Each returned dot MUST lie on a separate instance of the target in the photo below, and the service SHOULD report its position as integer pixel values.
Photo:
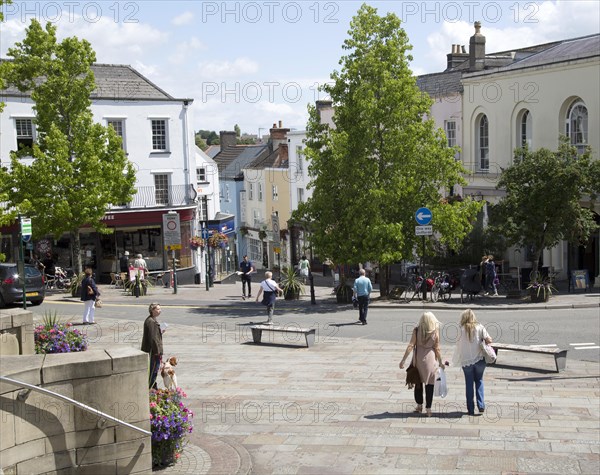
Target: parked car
(11, 285)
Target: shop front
(138, 232)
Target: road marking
(587, 347)
(581, 344)
(542, 346)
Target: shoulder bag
(488, 352)
(412, 373)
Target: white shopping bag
(440, 388)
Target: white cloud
(227, 69)
(185, 50)
(184, 19)
(533, 24)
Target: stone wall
(41, 434)
(16, 332)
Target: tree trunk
(76, 249)
(535, 261)
(384, 280)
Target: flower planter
(344, 294)
(536, 297)
(292, 294)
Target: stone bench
(560, 356)
(309, 333)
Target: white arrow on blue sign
(423, 216)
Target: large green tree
(78, 167)
(544, 192)
(383, 159)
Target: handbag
(412, 372)
(440, 387)
(488, 352)
(98, 303)
(412, 376)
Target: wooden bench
(560, 356)
(309, 333)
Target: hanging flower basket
(217, 240)
(170, 422)
(197, 242)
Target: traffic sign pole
(423, 217)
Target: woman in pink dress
(425, 342)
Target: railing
(104, 417)
(150, 196)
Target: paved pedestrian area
(341, 406)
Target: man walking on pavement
(246, 269)
(362, 291)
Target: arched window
(525, 130)
(577, 125)
(483, 143)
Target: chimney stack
(278, 135)
(227, 139)
(477, 50)
(456, 57)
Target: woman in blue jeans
(469, 355)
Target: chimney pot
(280, 124)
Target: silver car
(11, 285)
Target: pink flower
(152, 404)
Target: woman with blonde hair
(425, 342)
(469, 355)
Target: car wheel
(37, 302)
(2, 303)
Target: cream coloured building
(526, 96)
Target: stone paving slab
(280, 408)
(341, 407)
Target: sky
(255, 63)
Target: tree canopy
(76, 168)
(544, 192)
(383, 159)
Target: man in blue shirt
(362, 290)
(246, 268)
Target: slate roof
(449, 81)
(231, 160)
(440, 84)
(267, 161)
(119, 82)
(576, 48)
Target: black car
(11, 285)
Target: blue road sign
(423, 216)
(204, 233)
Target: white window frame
(28, 122)
(260, 192)
(524, 129)
(274, 193)
(577, 125)
(254, 250)
(160, 138)
(120, 129)
(450, 129)
(256, 218)
(161, 190)
(250, 191)
(201, 175)
(483, 143)
(300, 160)
(300, 195)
